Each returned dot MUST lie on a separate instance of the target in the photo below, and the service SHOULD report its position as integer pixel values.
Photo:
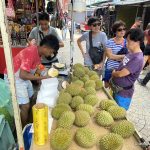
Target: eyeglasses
(121, 29)
(96, 24)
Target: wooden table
(129, 144)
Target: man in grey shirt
(37, 34)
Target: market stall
(21, 19)
(129, 144)
(132, 142)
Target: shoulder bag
(96, 54)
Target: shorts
(107, 75)
(122, 101)
(24, 90)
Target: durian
(79, 82)
(87, 108)
(117, 112)
(62, 91)
(103, 118)
(99, 84)
(94, 77)
(52, 72)
(78, 65)
(83, 93)
(61, 139)
(74, 78)
(105, 104)
(76, 101)
(66, 120)
(90, 83)
(73, 89)
(59, 109)
(82, 118)
(90, 90)
(91, 73)
(79, 72)
(87, 70)
(85, 78)
(91, 100)
(123, 128)
(111, 141)
(85, 137)
(64, 98)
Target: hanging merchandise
(10, 12)
(40, 123)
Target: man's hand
(113, 72)
(98, 66)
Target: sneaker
(140, 81)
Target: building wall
(128, 14)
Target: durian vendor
(123, 78)
(25, 66)
(37, 34)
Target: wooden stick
(9, 63)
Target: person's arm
(80, 46)
(32, 37)
(54, 32)
(112, 56)
(104, 48)
(145, 60)
(28, 76)
(122, 73)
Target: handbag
(123, 50)
(95, 53)
(116, 88)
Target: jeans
(146, 79)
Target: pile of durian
(77, 106)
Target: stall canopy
(129, 2)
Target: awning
(130, 2)
(119, 2)
(100, 2)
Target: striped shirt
(112, 64)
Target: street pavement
(139, 112)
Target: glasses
(96, 24)
(121, 29)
